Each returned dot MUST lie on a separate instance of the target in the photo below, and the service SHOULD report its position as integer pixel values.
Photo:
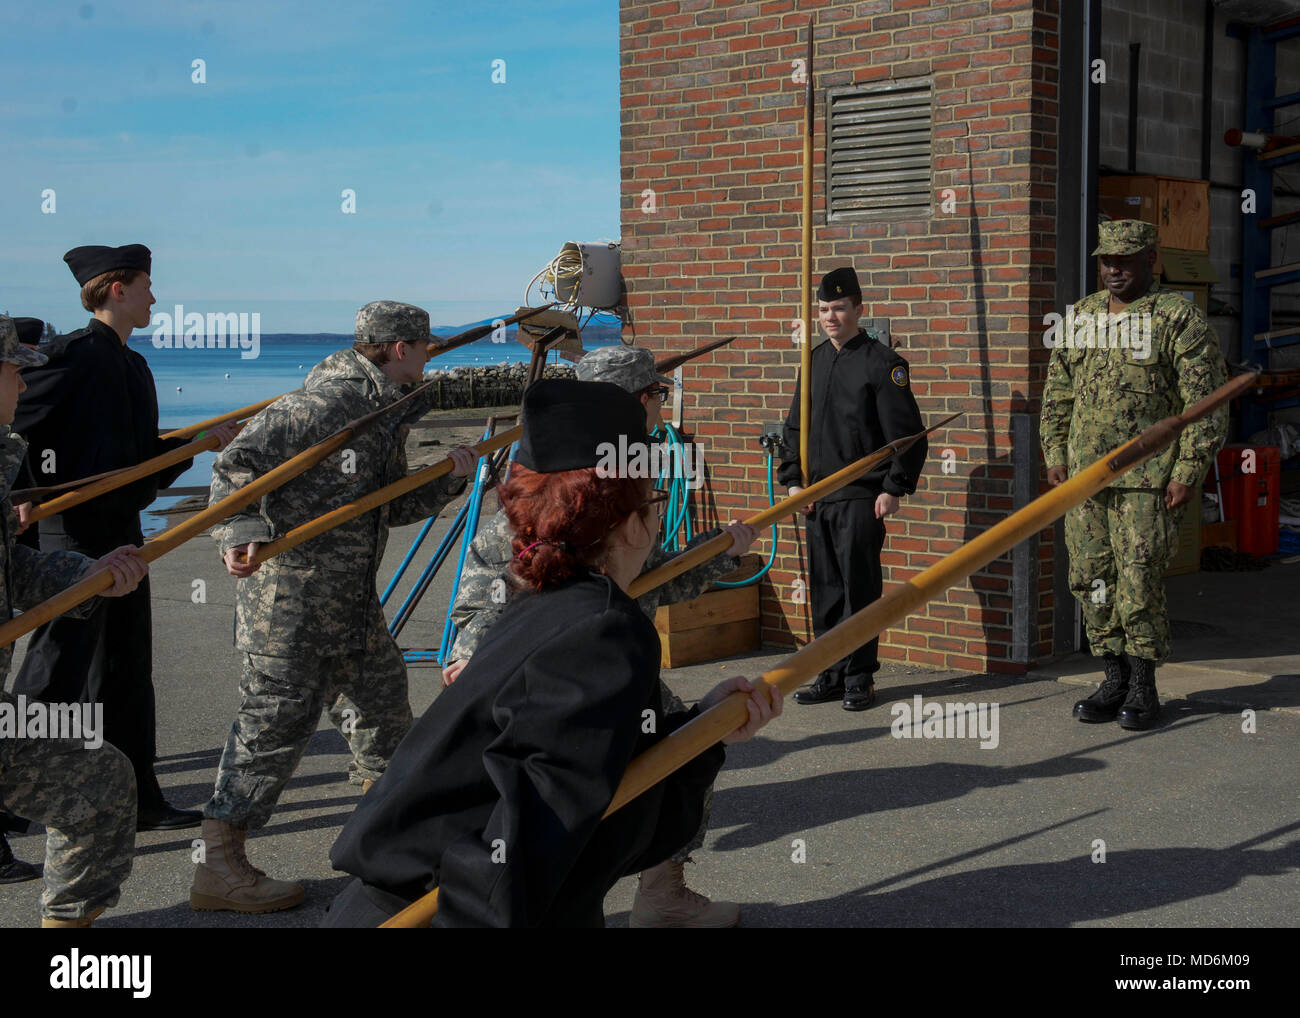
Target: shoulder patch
(899, 376)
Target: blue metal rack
(1258, 276)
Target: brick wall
(711, 122)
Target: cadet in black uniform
(496, 795)
(91, 409)
(861, 399)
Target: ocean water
(194, 385)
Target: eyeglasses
(659, 499)
(652, 391)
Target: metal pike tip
(677, 360)
(901, 445)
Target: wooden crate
(1188, 273)
(716, 624)
(1180, 208)
(1219, 535)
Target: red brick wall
(711, 122)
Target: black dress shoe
(14, 871)
(166, 818)
(824, 690)
(859, 699)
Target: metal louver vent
(878, 149)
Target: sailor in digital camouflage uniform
(1126, 357)
(662, 897)
(85, 797)
(308, 621)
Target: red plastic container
(1251, 498)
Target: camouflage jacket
(1097, 397)
(30, 576)
(485, 588)
(318, 599)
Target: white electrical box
(600, 285)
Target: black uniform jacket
(496, 794)
(861, 399)
(94, 404)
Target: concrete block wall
(711, 124)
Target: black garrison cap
(94, 260)
(839, 283)
(567, 422)
(30, 330)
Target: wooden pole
(376, 498)
(95, 486)
(479, 331)
(177, 535)
(450, 343)
(234, 415)
(701, 553)
(704, 731)
(805, 305)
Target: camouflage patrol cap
(13, 351)
(390, 321)
(1124, 237)
(629, 367)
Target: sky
(464, 187)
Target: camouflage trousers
(281, 704)
(86, 800)
(673, 704)
(1120, 542)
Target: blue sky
(464, 188)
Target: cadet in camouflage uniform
(1151, 354)
(84, 797)
(662, 897)
(308, 621)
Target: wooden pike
(378, 497)
(85, 490)
(707, 729)
(177, 535)
(89, 487)
(420, 478)
(701, 553)
(805, 305)
(677, 360)
(234, 415)
(479, 331)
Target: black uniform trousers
(844, 542)
(106, 658)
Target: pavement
(832, 818)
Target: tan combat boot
(664, 901)
(50, 923)
(367, 785)
(227, 881)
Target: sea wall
(484, 385)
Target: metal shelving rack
(1258, 276)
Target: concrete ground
(832, 819)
